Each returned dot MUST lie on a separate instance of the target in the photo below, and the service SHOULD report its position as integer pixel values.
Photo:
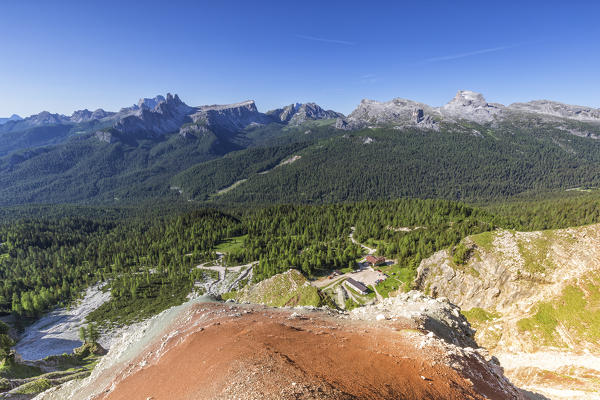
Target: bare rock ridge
(166, 116)
(560, 110)
(87, 115)
(160, 115)
(298, 113)
(231, 117)
(471, 106)
(466, 105)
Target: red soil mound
(251, 352)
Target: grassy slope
(288, 289)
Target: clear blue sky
(65, 55)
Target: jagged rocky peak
(46, 118)
(298, 113)
(167, 115)
(150, 103)
(284, 114)
(397, 112)
(556, 109)
(87, 115)
(472, 106)
(81, 115)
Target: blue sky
(65, 55)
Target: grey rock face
(341, 123)
(230, 117)
(150, 104)
(46, 118)
(465, 106)
(435, 315)
(167, 116)
(193, 131)
(296, 114)
(555, 109)
(81, 116)
(397, 112)
(105, 137)
(472, 106)
(87, 115)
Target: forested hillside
(385, 164)
(466, 161)
(149, 257)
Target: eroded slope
(534, 298)
(226, 351)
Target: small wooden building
(356, 285)
(375, 260)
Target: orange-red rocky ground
(227, 351)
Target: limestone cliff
(534, 298)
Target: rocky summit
(465, 106)
(298, 113)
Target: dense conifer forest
(147, 257)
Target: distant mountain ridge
(161, 147)
(465, 106)
(161, 114)
(13, 117)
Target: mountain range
(164, 148)
(13, 117)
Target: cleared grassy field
(231, 244)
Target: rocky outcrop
(150, 103)
(466, 106)
(434, 315)
(560, 110)
(296, 114)
(529, 295)
(193, 131)
(105, 136)
(290, 288)
(397, 113)
(230, 117)
(472, 106)
(87, 115)
(167, 116)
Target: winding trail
(368, 249)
